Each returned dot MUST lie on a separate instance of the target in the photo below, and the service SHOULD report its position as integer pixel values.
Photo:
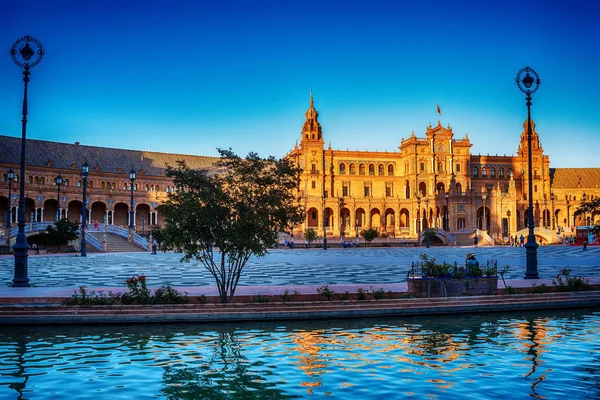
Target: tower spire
(311, 129)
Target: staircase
(463, 239)
(116, 243)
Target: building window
(457, 167)
(314, 184)
(314, 215)
(422, 167)
(124, 185)
(79, 183)
(342, 169)
(381, 169)
(475, 172)
(501, 173)
(389, 189)
(371, 169)
(509, 172)
(102, 185)
(484, 172)
(440, 166)
(30, 179)
(390, 169)
(535, 188)
(492, 172)
(352, 169)
(367, 191)
(313, 168)
(345, 191)
(361, 169)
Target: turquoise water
(539, 355)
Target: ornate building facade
(432, 181)
(435, 182)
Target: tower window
(314, 184)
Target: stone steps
(116, 243)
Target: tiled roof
(43, 153)
(575, 177)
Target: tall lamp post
(85, 170)
(427, 219)
(418, 220)
(131, 212)
(447, 197)
(484, 221)
(26, 57)
(553, 214)
(529, 84)
(59, 182)
(340, 216)
(10, 176)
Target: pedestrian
(292, 244)
(306, 243)
(584, 245)
(96, 224)
(154, 245)
(475, 240)
(471, 262)
(522, 240)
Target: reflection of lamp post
(85, 169)
(447, 196)
(132, 178)
(59, 182)
(526, 85)
(418, 220)
(24, 58)
(483, 198)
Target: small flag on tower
(438, 109)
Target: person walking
(475, 240)
(154, 245)
(306, 243)
(585, 245)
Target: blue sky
(190, 76)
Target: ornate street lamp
(484, 221)
(340, 216)
(427, 219)
(131, 212)
(447, 196)
(10, 176)
(529, 84)
(552, 197)
(85, 170)
(59, 182)
(26, 57)
(418, 220)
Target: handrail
(94, 242)
(487, 237)
(141, 241)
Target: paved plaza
(289, 268)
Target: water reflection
(537, 354)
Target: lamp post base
(531, 271)
(21, 278)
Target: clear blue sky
(190, 76)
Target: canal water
(496, 356)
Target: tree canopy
(240, 208)
(61, 233)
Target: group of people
(347, 243)
(289, 243)
(517, 241)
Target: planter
(453, 287)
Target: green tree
(239, 207)
(310, 234)
(61, 233)
(369, 234)
(157, 233)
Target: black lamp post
(553, 214)
(427, 219)
(85, 170)
(484, 222)
(59, 182)
(418, 220)
(340, 216)
(447, 196)
(529, 84)
(26, 58)
(10, 176)
(131, 212)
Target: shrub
(287, 296)
(325, 292)
(169, 295)
(510, 290)
(85, 298)
(564, 282)
(344, 296)
(360, 294)
(543, 288)
(201, 299)
(138, 291)
(261, 299)
(379, 294)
